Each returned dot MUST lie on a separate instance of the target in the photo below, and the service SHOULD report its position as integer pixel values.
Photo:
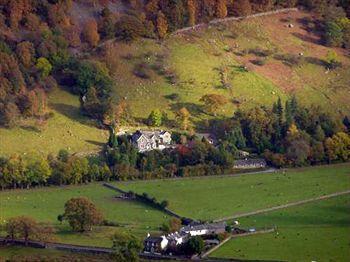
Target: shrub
(259, 62)
(290, 59)
(173, 96)
(143, 71)
(108, 223)
(260, 52)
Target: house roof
(212, 226)
(154, 239)
(250, 161)
(148, 134)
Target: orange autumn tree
(221, 8)
(25, 53)
(191, 6)
(162, 24)
(91, 34)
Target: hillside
(222, 59)
(197, 60)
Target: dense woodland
(41, 46)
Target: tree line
(291, 135)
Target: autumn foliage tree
(27, 228)
(82, 214)
(221, 8)
(191, 7)
(242, 7)
(91, 33)
(183, 119)
(25, 52)
(212, 102)
(162, 24)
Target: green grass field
(67, 129)
(212, 198)
(317, 231)
(46, 203)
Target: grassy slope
(314, 232)
(213, 198)
(67, 129)
(195, 58)
(46, 204)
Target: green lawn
(66, 129)
(212, 198)
(318, 231)
(45, 204)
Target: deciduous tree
(162, 24)
(213, 102)
(183, 119)
(126, 247)
(221, 8)
(91, 33)
(191, 7)
(82, 214)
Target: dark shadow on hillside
(30, 129)
(194, 109)
(96, 143)
(311, 25)
(315, 61)
(310, 39)
(73, 113)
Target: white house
(151, 140)
(155, 245)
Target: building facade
(151, 140)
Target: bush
(290, 59)
(173, 96)
(260, 52)
(143, 71)
(333, 34)
(109, 223)
(259, 62)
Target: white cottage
(151, 140)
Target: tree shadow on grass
(307, 38)
(96, 143)
(194, 109)
(73, 113)
(316, 61)
(30, 129)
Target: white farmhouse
(151, 140)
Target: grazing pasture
(209, 198)
(317, 231)
(46, 204)
(66, 129)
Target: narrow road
(301, 202)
